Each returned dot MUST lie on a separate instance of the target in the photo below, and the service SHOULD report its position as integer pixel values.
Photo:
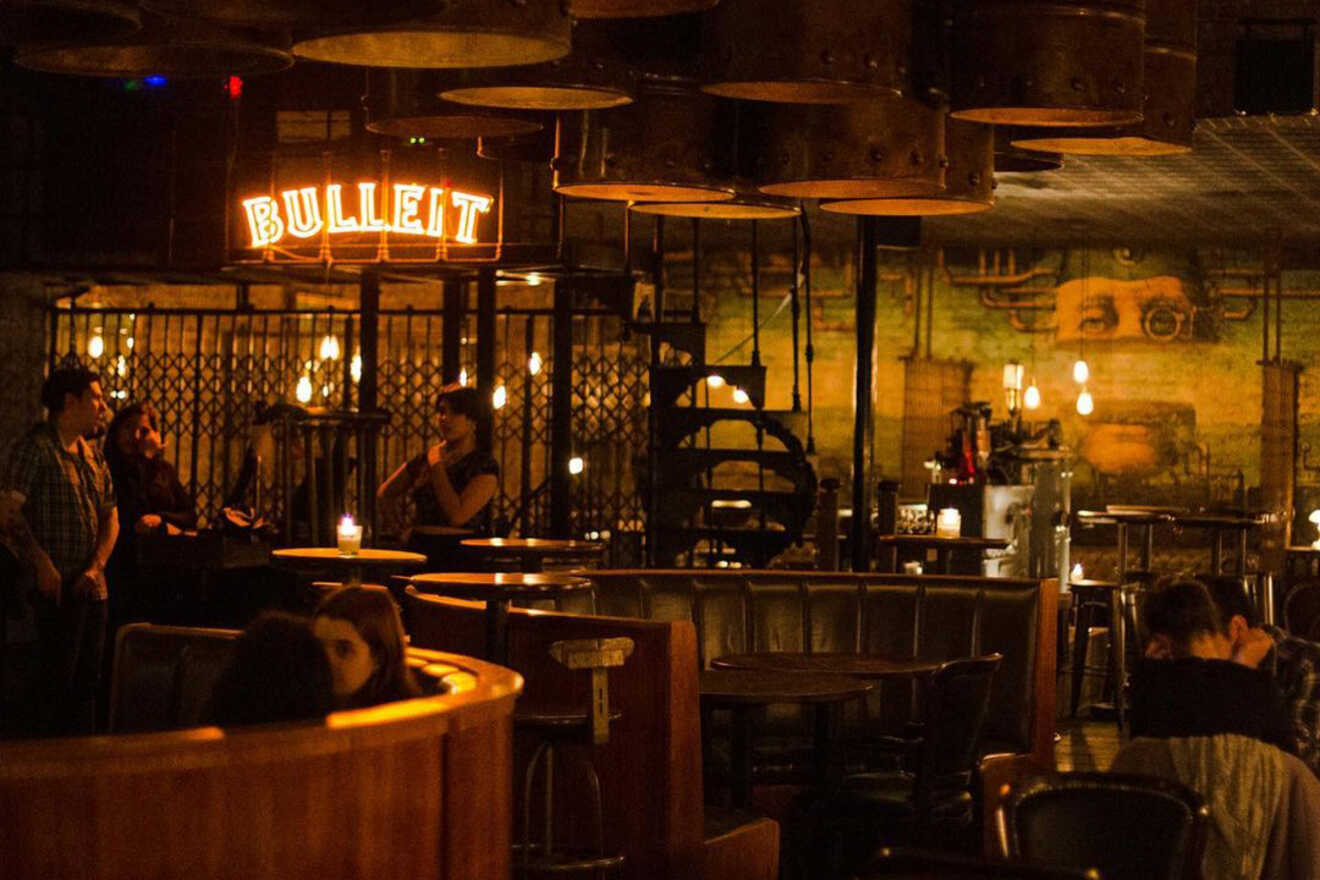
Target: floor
(1086, 745)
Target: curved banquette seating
(419, 788)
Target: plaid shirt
(1296, 666)
(64, 495)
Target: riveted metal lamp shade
(267, 13)
(1170, 94)
(458, 33)
(655, 150)
(808, 51)
(1011, 159)
(1072, 63)
(969, 180)
(636, 8)
(68, 21)
(594, 76)
(741, 207)
(535, 147)
(403, 103)
(877, 149)
(174, 48)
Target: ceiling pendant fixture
(456, 33)
(71, 21)
(808, 51)
(269, 13)
(1011, 159)
(403, 104)
(636, 8)
(594, 76)
(655, 150)
(874, 149)
(1170, 94)
(174, 48)
(969, 180)
(1048, 62)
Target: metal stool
(1104, 599)
(564, 727)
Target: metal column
(863, 421)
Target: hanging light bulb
(355, 368)
(1081, 372)
(96, 345)
(740, 396)
(534, 363)
(304, 390)
(462, 376)
(575, 465)
(714, 380)
(129, 342)
(1031, 397)
(500, 397)
(329, 348)
(121, 366)
(1085, 405)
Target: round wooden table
(870, 667)
(531, 553)
(349, 569)
(497, 590)
(743, 692)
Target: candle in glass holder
(350, 536)
(949, 523)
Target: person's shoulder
(36, 439)
(486, 464)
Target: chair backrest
(163, 675)
(901, 864)
(1127, 827)
(1301, 610)
(955, 702)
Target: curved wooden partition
(416, 789)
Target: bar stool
(556, 728)
(1094, 600)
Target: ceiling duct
(655, 150)
(178, 48)
(808, 51)
(1048, 62)
(596, 75)
(403, 104)
(71, 21)
(969, 180)
(877, 149)
(636, 8)
(1170, 90)
(450, 33)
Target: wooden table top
(868, 666)
(762, 687)
(442, 531)
(1126, 516)
(1088, 582)
(937, 541)
(494, 586)
(365, 556)
(535, 546)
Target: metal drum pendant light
(636, 8)
(877, 149)
(73, 21)
(969, 180)
(447, 33)
(1011, 159)
(808, 51)
(655, 150)
(1170, 93)
(267, 13)
(403, 103)
(164, 47)
(596, 75)
(1048, 62)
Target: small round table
(742, 692)
(531, 553)
(347, 568)
(497, 590)
(943, 547)
(870, 667)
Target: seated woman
(452, 483)
(359, 629)
(278, 672)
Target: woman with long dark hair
(359, 629)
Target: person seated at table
(360, 630)
(452, 483)
(278, 672)
(1189, 683)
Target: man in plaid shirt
(57, 510)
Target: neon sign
(400, 209)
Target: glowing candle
(949, 523)
(350, 536)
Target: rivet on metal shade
(742, 207)
(71, 21)
(877, 149)
(403, 103)
(1069, 63)
(459, 33)
(596, 75)
(1170, 90)
(178, 48)
(656, 150)
(969, 180)
(636, 8)
(808, 51)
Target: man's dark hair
(1230, 598)
(66, 380)
(278, 672)
(1180, 609)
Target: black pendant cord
(810, 351)
(756, 296)
(797, 316)
(696, 271)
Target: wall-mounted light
(714, 380)
(462, 376)
(303, 391)
(1031, 397)
(576, 465)
(1085, 405)
(740, 396)
(329, 348)
(534, 363)
(533, 279)
(355, 368)
(1315, 520)
(96, 345)
(1013, 386)
(499, 397)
